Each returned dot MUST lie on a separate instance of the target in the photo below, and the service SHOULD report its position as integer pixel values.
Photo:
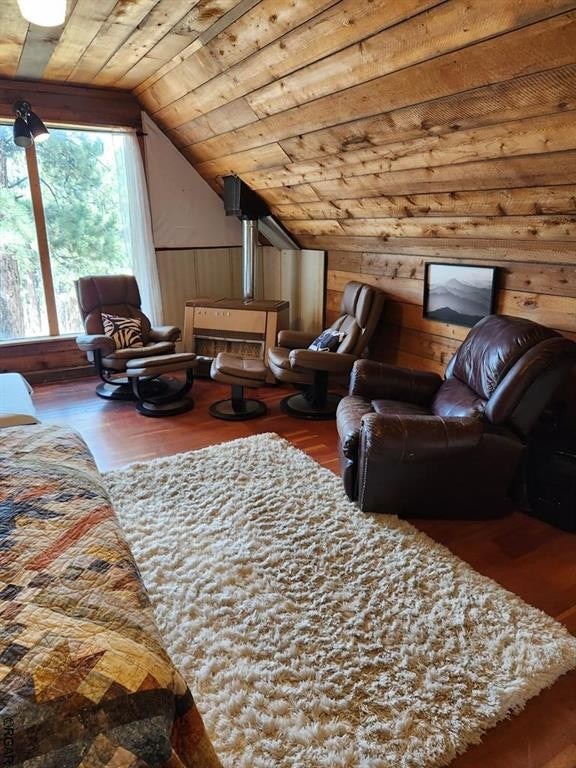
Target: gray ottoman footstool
(239, 372)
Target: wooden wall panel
(544, 169)
(443, 248)
(187, 273)
(556, 228)
(45, 359)
(388, 134)
(520, 201)
(72, 105)
(550, 44)
(553, 133)
(451, 27)
(304, 45)
(14, 30)
(543, 292)
(525, 96)
(294, 276)
(236, 74)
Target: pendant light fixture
(28, 128)
(44, 13)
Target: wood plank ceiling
(411, 128)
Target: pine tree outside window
(81, 184)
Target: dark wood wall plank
(72, 105)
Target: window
(82, 182)
(22, 302)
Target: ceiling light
(37, 128)
(28, 127)
(22, 135)
(44, 13)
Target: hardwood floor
(118, 435)
(525, 555)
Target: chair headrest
(361, 308)
(107, 290)
(492, 347)
(364, 305)
(350, 296)
(357, 301)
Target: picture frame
(459, 294)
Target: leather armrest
(349, 415)
(96, 341)
(417, 438)
(164, 333)
(295, 339)
(380, 381)
(331, 362)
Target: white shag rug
(312, 635)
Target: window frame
(39, 219)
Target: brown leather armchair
(416, 445)
(119, 295)
(291, 361)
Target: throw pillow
(124, 331)
(328, 341)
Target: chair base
(121, 389)
(169, 401)
(237, 410)
(301, 408)
(230, 369)
(158, 410)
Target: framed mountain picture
(459, 294)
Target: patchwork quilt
(84, 678)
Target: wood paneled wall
(297, 277)
(541, 291)
(391, 134)
(45, 359)
(386, 133)
(187, 273)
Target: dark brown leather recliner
(118, 295)
(292, 362)
(416, 445)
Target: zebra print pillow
(124, 331)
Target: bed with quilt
(84, 677)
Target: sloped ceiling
(360, 121)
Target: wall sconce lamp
(28, 128)
(44, 13)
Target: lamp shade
(37, 128)
(44, 13)
(22, 134)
